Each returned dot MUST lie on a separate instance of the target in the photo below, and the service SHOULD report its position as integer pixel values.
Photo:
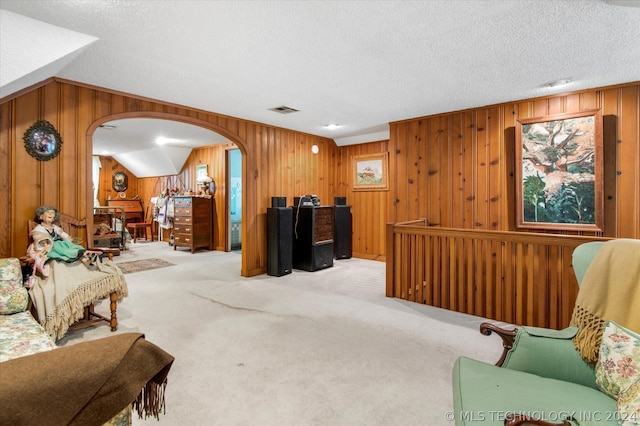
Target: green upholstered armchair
(546, 352)
(540, 379)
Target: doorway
(234, 201)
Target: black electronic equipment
(278, 201)
(306, 200)
(279, 241)
(339, 201)
(312, 237)
(342, 231)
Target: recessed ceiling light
(559, 82)
(332, 126)
(105, 152)
(161, 140)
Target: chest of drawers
(192, 223)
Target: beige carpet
(308, 348)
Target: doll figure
(66, 278)
(62, 247)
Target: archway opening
(130, 137)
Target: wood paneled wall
(457, 169)
(368, 209)
(290, 170)
(276, 162)
(109, 166)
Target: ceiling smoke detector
(283, 109)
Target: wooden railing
(514, 277)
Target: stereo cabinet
(312, 237)
(193, 223)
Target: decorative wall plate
(42, 141)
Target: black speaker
(279, 241)
(278, 201)
(322, 256)
(342, 231)
(340, 201)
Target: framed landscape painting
(370, 172)
(559, 172)
(201, 171)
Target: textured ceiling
(360, 64)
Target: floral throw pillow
(13, 296)
(629, 405)
(618, 365)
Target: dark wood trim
(507, 336)
(522, 420)
(26, 90)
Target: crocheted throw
(610, 291)
(60, 297)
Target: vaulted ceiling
(357, 64)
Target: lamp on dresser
(204, 182)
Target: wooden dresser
(192, 223)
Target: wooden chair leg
(88, 310)
(113, 299)
(91, 316)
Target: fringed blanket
(85, 384)
(61, 297)
(610, 291)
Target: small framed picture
(201, 171)
(42, 141)
(370, 172)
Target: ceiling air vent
(283, 109)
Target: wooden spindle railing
(515, 277)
